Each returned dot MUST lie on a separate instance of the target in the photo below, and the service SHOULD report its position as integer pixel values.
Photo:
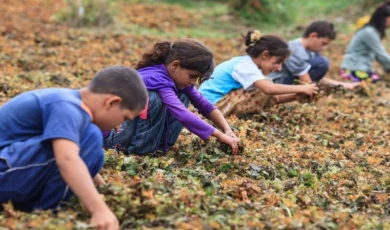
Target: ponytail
(157, 55)
(257, 44)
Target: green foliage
(308, 179)
(87, 13)
(371, 3)
(281, 12)
(265, 11)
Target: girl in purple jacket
(170, 71)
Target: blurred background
(215, 18)
(46, 43)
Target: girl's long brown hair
(192, 55)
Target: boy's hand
(104, 220)
(310, 89)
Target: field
(319, 165)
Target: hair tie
(255, 36)
(170, 47)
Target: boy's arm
(305, 78)
(76, 175)
(346, 85)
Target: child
(170, 71)
(51, 145)
(305, 62)
(366, 46)
(238, 85)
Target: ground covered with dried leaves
(318, 165)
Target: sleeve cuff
(207, 135)
(304, 71)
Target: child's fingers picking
(234, 147)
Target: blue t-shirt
(34, 118)
(238, 72)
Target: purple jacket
(156, 78)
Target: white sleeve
(247, 73)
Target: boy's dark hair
(192, 55)
(323, 28)
(378, 18)
(275, 45)
(123, 82)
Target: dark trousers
(30, 178)
(141, 136)
(319, 67)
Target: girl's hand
(232, 134)
(231, 141)
(310, 89)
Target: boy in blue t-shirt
(305, 62)
(51, 143)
